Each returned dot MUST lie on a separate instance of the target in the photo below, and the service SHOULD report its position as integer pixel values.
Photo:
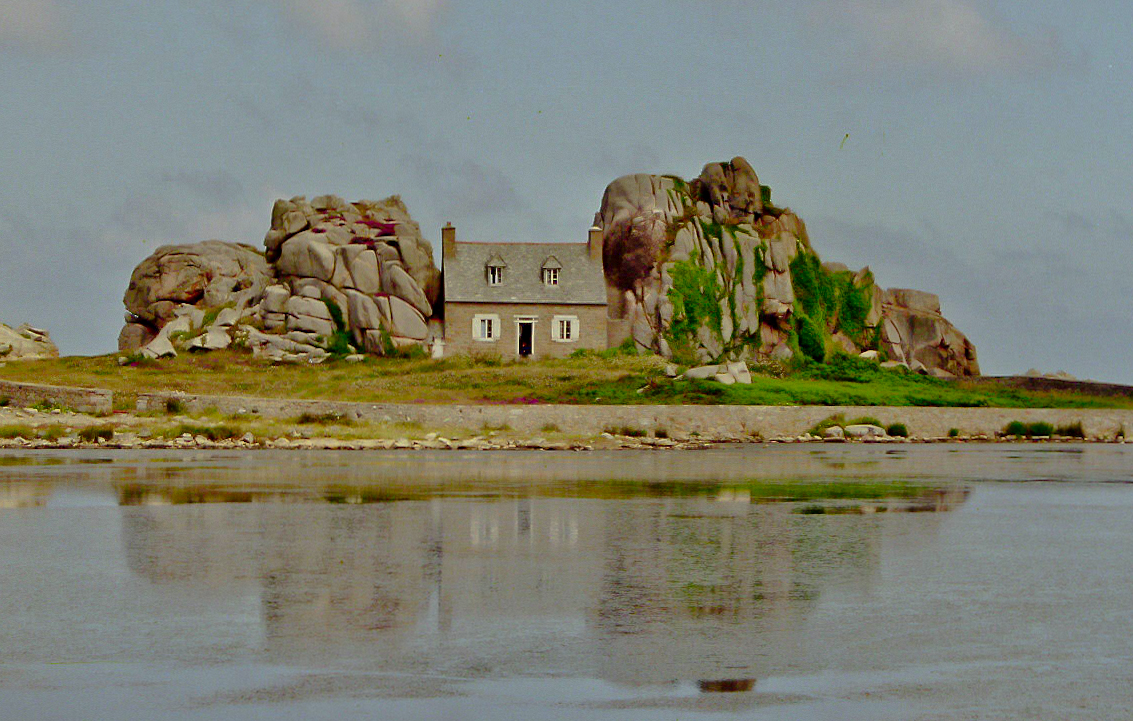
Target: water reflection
(624, 583)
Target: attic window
(495, 268)
(551, 268)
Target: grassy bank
(604, 378)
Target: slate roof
(581, 280)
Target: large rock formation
(709, 269)
(336, 277)
(25, 343)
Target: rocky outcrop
(25, 343)
(710, 270)
(335, 277)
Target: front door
(526, 333)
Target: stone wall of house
(591, 330)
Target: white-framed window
(495, 275)
(564, 328)
(485, 327)
(550, 276)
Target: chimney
(448, 241)
(594, 242)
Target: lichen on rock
(333, 273)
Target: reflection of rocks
(724, 580)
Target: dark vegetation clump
(92, 434)
(1071, 430)
(625, 431)
(1015, 428)
(630, 250)
(1030, 430)
(174, 407)
(339, 344)
(324, 419)
(222, 432)
(953, 432)
(897, 430)
(811, 342)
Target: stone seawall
(87, 400)
(712, 421)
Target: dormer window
(495, 267)
(551, 268)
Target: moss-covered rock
(709, 269)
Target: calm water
(564, 586)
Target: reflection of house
(538, 300)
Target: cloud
(38, 25)
(218, 187)
(949, 36)
(468, 187)
(348, 24)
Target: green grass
(598, 377)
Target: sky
(977, 149)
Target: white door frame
(520, 320)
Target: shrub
(52, 433)
(5, 402)
(18, 431)
(953, 432)
(660, 433)
(213, 433)
(1015, 428)
(810, 339)
(1071, 430)
(897, 430)
(324, 419)
(1040, 428)
(865, 421)
(624, 431)
(91, 434)
(339, 343)
(174, 406)
(819, 428)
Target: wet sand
(421, 585)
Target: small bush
(819, 428)
(213, 433)
(18, 431)
(1015, 428)
(1071, 430)
(174, 407)
(953, 432)
(661, 433)
(48, 406)
(52, 433)
(624, 431)
(897, 430)
(324, 419)
(5, 402)
(810, 339)
(92, 434)
(1040, 428)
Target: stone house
(525, 300)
